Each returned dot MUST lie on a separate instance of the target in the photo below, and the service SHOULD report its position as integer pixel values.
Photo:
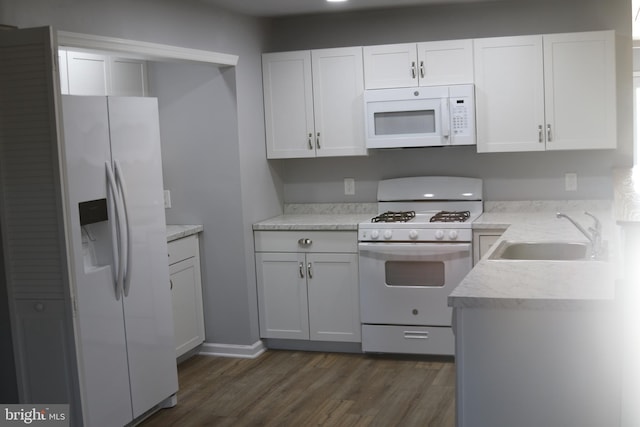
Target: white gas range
(411, 256)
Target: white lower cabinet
(532, 367)
(186, 293)
(483, 240)
(308, 285)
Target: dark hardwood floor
(293, 388)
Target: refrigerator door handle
(122, 187)
(117, 246)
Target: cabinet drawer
(306, 241)
(408, 339)
(182, 249)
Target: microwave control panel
(460, 116)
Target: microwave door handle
(445, 120)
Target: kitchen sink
(552, 251)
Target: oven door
(408, 283)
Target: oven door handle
(421, 249)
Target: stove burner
(446, 216)
(394, 216)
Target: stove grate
(390, 216)
(451, 216)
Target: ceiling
(273, 8)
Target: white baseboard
(232, 350)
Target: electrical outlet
(349, 186)
(571, 182)
(167, 199)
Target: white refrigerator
(118, 254)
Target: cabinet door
(509, 94)
(338, 89)
(288, 104)
(42, 343)
(481, 245)
(88, 73)
(388, 66)
(63, 71)
(580, 90)
(128, 77)
(445, 62)
(282, 295)
(334, 313)
(186, 297)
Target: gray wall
(243, 180)
(199, 128)
(514, 176)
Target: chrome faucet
(594, 234)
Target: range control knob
(439, 234)
(413, 234)
(375, 234)
(453, 235)
(388, 234)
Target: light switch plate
(571, 182)
(349, 186)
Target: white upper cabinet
(64, 73)
(418, 64)
(551, 92)
(128, 77)
(288, 104)
(313, 103)
(580, 90)
(88, 73)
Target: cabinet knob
(39, 307)
(305, 242)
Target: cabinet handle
(413, 70)
(170, 284)
(416, 335)
(318, 140)
(540, 134)
(310, 141)
(422, 73)
(301, 267)
(305, 242)
(309, 271)
(548, 133)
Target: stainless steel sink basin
(552, 251)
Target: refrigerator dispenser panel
(93, 211)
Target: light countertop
(510, 283)
(541, 284)
(175, 232)
(313, 222)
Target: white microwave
(420, 116)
